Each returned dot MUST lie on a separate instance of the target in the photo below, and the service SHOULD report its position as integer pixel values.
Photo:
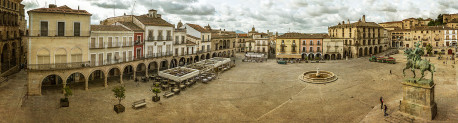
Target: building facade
(332, 49)
(12, 30)
(312, 45)
(288, 47)
(68, 31)
(261, 41)
(110, 44)
(360, 38)
(138, 38)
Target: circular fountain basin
(322, 78)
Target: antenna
(132, 13)
(114, 10)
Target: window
(139, 37)
(303, 49)
(177, 38)
(318, 43)
(203, 37)
(150, 35)
(311, 42)
(110, 42)
(92, 43)
(159, 35)
(76, 30)
(44, 28)
(169, 36)
(60, 28)
(101, 42)
(318, 49)
(311, 49)
(182, 39)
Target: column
(120, 78)
(146, 72)
(63, 85)
(105, 80)
(86, 82)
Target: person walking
(390, 72)
(385, 111)
(381, 101)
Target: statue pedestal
(418, 99)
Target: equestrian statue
(414, 61)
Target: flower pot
(64, 102)
(119, 108)
(156, 98)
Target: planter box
(119, 108)
(64, 102)
(156, 98)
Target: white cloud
(311, 16)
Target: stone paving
(249, 92)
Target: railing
(58, 66)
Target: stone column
(120, 78)
(106, 81)
(146, 72)
(86, 83)
(63, 85)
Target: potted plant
(119, 92)
(306, 60)
(156, 91)
(64, 101)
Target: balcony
(138, 43)
(95, 47)
(58, 66)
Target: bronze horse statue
(415, 62)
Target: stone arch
(97, 78)
(182, 61)
(60, 56)
(5, 58)
(365, 51)
(127, 72)
(333, 57)
(360, 52)
(339, 56)
(214, 55)
(164, 65)
(208, 56)
(224, 54)
(140, 69)
(202, 57)
(76, 55)
(380, 49)
(370, 51)
(52, 83)
(326, 56)
(76, 80)
(196, 58)
(114, 75)
(13, 58)
(153, 67)
(173, 63)
(375, 50)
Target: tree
(156, 91)
(119, 92)
(67, 92)
(429, 49)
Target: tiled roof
(62, 9)
(190, 43)
(108, 28)
(132, 26)
(149, 21)
(190, 36)
(391, 22)
(198, 28)
(302, 36)
(242, 35)
(358, 24)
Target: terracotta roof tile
(62, 9)
(190, 36)
(148, 21)
(132, 26)
(198, 28)
(302, 36)
(108, 28)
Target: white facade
(108, 47)
(450, 37)
(157, 40)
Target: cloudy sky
(307, 16)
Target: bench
(168, 94)
(138, 104)
(182, 86)
(176, 91)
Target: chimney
(348, 21)
(152, 13)
(52, 6)
(364, 18)
(343, 22)
(158, 16)
(224, 30)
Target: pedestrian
(385, 111)
(381, 101)
(390, 72)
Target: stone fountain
(318, 77)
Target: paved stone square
(249, 92)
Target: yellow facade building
(58, 37)
(287, 46)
